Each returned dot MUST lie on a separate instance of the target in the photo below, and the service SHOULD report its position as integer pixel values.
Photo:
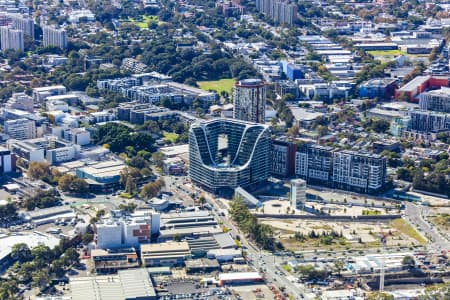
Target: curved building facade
(227, 153)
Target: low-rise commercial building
(420, 84)
(164, 254)
(107, 261)
(134, 284)
(40, 94)
(382, 88)
(49, 149)
(239, 278)
(202, 265)
(101, 176)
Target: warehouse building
(164, 254)
(134, 284)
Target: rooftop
(32, 240)
(128, 284)
(413, 84)
(165, 247)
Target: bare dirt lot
(298, 234)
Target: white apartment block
(54, 37)
(23, 23)
(40, 94)
(11, 39)
(436, 100)
(20, 129)
(20, 101)
(78, 136)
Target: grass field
(170, 137)
(403, 227)
(144, 23)
(217, 85)
(387, 53)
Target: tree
(157, 159)
(57, 267)
(338, 266)
(130, 185)
(21, 252)
(40, 279)
(293, 131)
(379, 296)
(38, 170)
(42, 255)
(129, 208)
(408, 261)
(152, 189)
(65, 182)
(79, 186)
(71, 257)
(202, 200)
(87, 238)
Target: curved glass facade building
(227, 153)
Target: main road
(261, 260)
(415, 215)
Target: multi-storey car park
(225, 154)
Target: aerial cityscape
(224, 149)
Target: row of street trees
(262, 234)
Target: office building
(27, 151)
(347, 170)
(101, 176)
(54, 37)
(40, 94)
(294, 71)
(48, 148)
(107, 261)
(298, 193)
(436, 100)
(429, 121)
(56, 105)
(226, 153)
(20, 101)
(249, 98)
(11, 39)
(284, 87)
(381, 88)
(78, 136)
(122, 231)
(420, 84)
(20, 129)
(283, 158)
(165, 254)
(5, 161)
(23, 23)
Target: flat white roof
(240, 276)
(32, 240)
(175, 150)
